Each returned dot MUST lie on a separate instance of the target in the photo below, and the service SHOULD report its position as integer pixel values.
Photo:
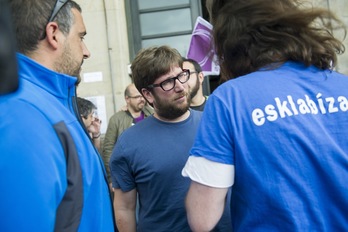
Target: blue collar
(59, 85)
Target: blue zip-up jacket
(52, 177)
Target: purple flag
(201, 47)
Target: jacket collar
(60, 85)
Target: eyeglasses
(169, 84)
(136, 97)
(56, 9)
(193, 72)
(95, 114)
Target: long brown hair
(251, 34)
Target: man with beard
(122, 120)
(148, 157)
(195, 82)
(52, 177)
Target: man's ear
(201, 77)
(52, 32)
(147, 95)
(126, 98)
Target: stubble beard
(195, 89)
(66, 64)
(137, 108)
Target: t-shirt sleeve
(214, 143)
(120, 168)
(206, 172)
(214, 140)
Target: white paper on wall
(93, 77)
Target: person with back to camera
(135, 112)
(89, 117)
(196, 84)
(52, 176)
(149, 156)
(198, 103)
(276, 130)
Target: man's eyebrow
(83, 33)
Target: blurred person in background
(89, 117)
(198, 100)
(134, 112)
(8, 61)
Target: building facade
(118, 29)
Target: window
(151, 4)
(165, 22)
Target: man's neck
(134, 113)
(197, 100)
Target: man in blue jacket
(52, 178)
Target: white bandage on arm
(207, 172)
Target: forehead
(132, 90)
(78, 25)
(174, 71)
(188, 65)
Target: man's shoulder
(148, 110)
(196, 113)
(15, 118)
(121, 115)
(29, 100)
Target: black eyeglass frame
(57, 7)
(135, 97)
(172, 79)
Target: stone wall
(340, 8)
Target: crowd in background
(267, 150)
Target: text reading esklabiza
(291, 107)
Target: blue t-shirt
(285, 131)
(149, 157)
